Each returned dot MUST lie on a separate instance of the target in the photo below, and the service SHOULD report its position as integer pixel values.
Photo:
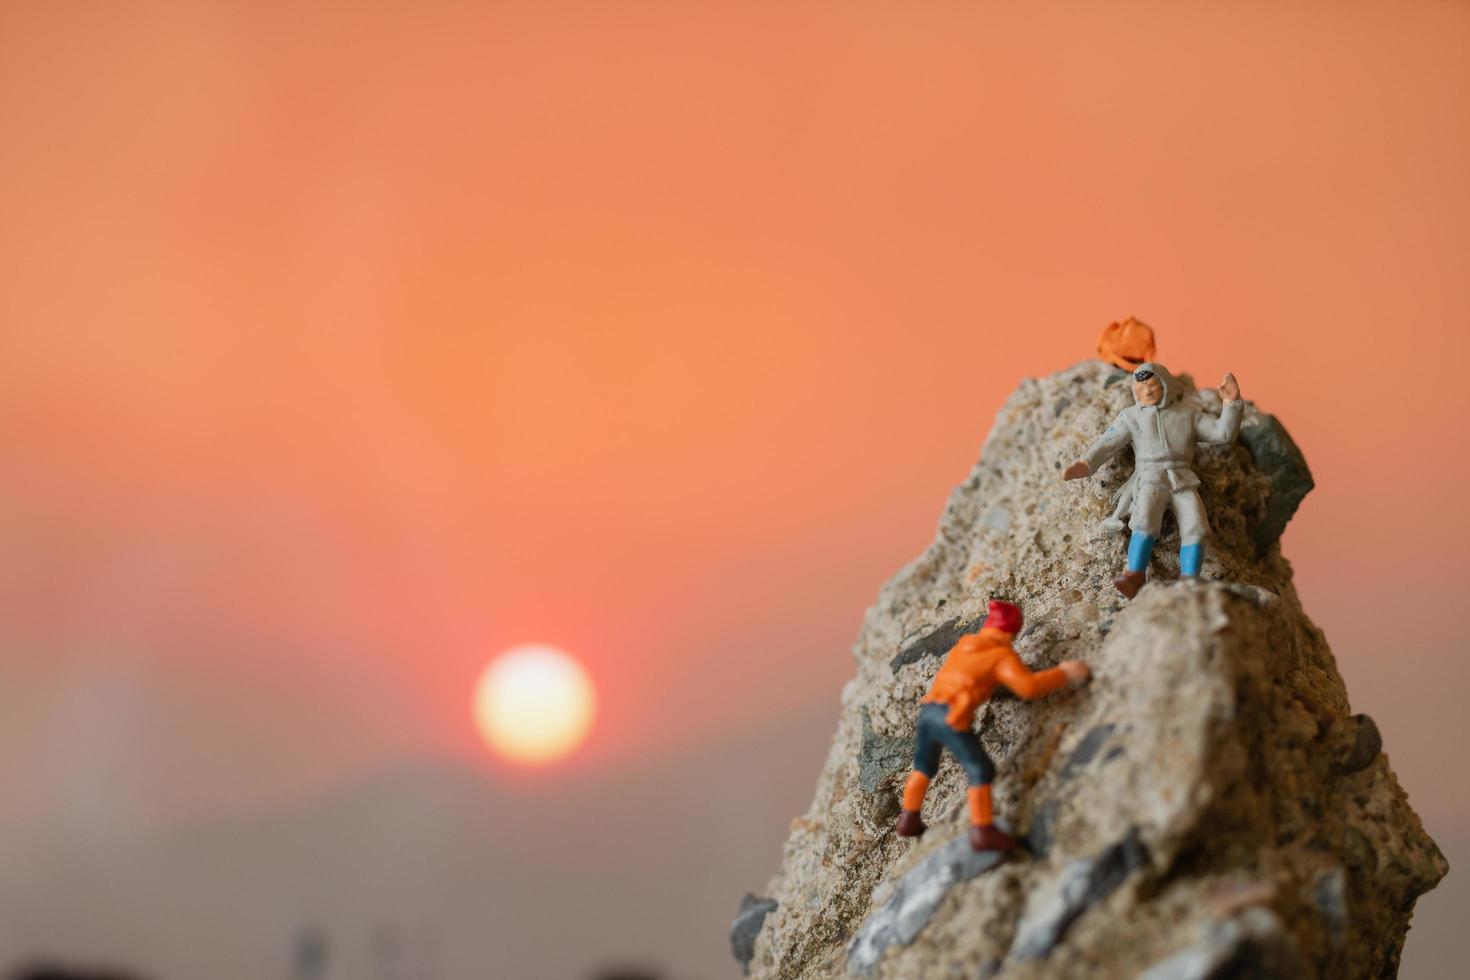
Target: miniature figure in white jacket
(1163, 433)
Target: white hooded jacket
(1164, 435)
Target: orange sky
(343, 350)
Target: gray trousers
(1151, 499)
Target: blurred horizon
(347, 349)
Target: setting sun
(534, 704)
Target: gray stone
(1086, 749)
(1082, 884)
(1277, 456)
(881, 756)
(1250, 945)
(1330, 897)
(997, 519)
(915, 897)
(936, 642)
(1366, 743)
(1254, 594)
(747, 925)
(1043, 822)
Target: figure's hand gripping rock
(1076, 672)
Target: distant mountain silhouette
(433, 871)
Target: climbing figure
(972, 670)
(1163, 433)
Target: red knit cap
(1003, 616)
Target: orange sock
(914, 790)
(980, 814)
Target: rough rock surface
(1208, 806)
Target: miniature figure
(1163, 433)
(972, 670)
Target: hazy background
(343, 348)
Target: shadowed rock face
(1209, 806)
(1275, 454)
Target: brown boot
(910, 824)
(988, 837)
(1129, 583)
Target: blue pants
(936, 734)
(1141, 547)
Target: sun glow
(534, 704)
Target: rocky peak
(1208, 803)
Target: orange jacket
(975, 666)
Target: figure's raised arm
(1224, 429)
(1026, 683)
